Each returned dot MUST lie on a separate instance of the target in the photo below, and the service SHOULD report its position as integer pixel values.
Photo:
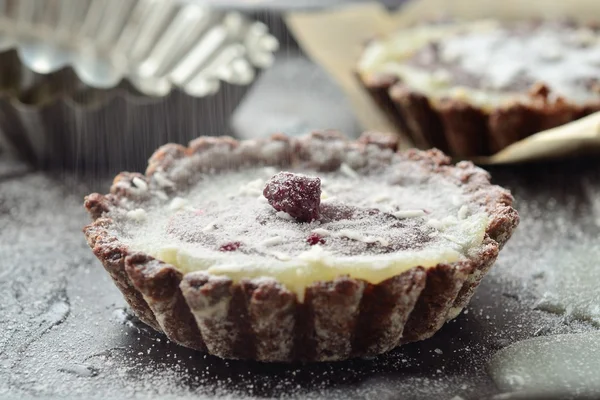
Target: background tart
(474, 88)
(398, 245)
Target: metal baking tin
(94, 82)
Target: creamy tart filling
(490, 63)
(370, 225)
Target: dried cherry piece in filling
(298, 195)
(314, 239)
(232, 246)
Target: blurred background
(98, 85)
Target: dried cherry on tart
(295, 194)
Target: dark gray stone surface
(66, 333)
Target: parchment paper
(335, 39)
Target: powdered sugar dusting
(489, 62)
(500, 56)
(193, 227)
(562, 278)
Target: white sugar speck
(409, 213)
(140, 183)
(435, 223)
(381, 198)
(321, 232)
(281, 256)
(161, 195)
(209, 227)
(138, 215)
(463, 212)
(252, 188)
(350, 234)
(355, 235)
(178, 203)
(284, 215)
(275, 240)
(161, 180)
(456, 200)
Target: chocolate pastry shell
(464, 129)
(259, 319)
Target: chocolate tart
(472, 89)
(352, 250)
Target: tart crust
(260, 319)
(459, 126)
